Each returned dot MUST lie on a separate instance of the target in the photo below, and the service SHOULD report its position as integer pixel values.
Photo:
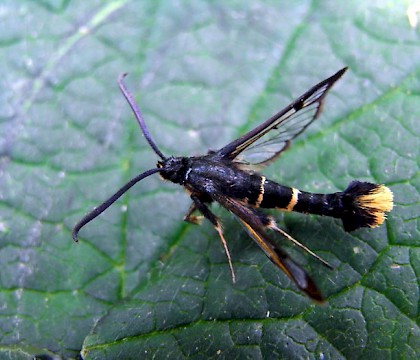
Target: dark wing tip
(303, 280)
(342, 71)
(339, 74)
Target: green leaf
(142, 283)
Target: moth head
(174, 169)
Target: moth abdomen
(362, 204)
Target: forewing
(264, 143)
(250, 219)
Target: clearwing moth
(228, 176)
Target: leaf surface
(143, 283)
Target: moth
(229, 177)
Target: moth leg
(273, 226)
(268, 222)
(193, 219)
(199, 205)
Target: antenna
(107, 203)
(138, 116)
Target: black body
(227, 177)
(205, 176)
